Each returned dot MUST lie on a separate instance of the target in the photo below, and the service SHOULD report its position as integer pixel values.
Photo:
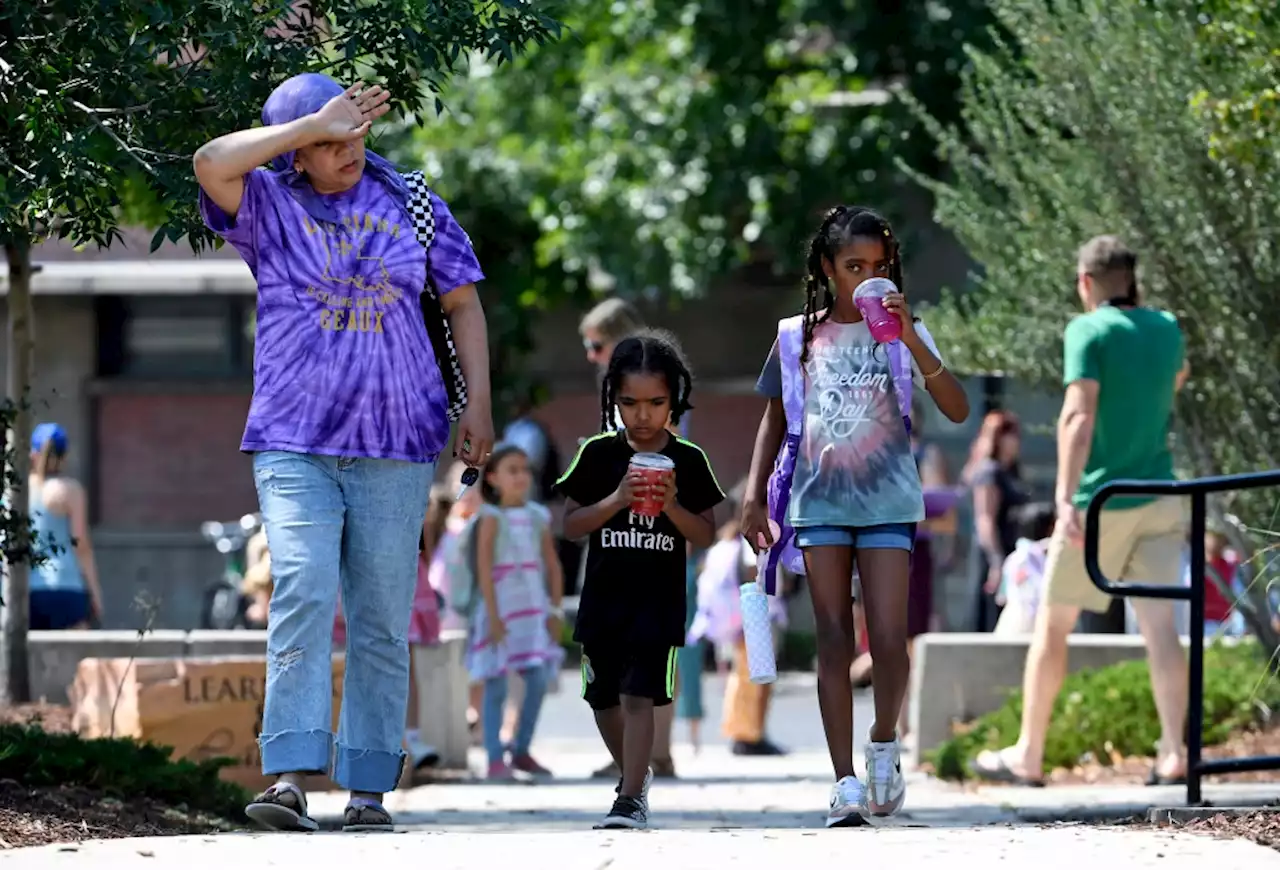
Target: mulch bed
(1262, 828)
(1134, 771)
(70, 814)
(1123, 770)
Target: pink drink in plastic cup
(655, 468)
(869, 297)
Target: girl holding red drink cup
(642, 494)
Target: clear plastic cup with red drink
(869, 297)
(654, 469)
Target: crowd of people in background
(845, 498)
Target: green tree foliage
(1127, 118)
(1242, 103)
(94, 93)
(103, 104)
(667, 139)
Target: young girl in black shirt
(631, 613)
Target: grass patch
(1110, 712)
(118, 767)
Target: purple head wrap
(298, 97)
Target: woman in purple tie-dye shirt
(347, 421)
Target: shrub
(1111, 710)
(120, 767)
(797, 651)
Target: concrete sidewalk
(754, 812)
(1068, 848)
(718, 790)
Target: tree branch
(124, 146)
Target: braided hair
(843, 224)
(647, 352)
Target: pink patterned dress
(424, 620)
(520, 585)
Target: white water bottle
(758, 634)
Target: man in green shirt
(1122, 366)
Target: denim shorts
(886, 536)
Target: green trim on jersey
(706, 459)
(581, 447)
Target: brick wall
(170, 460)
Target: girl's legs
(302, 509)
(495, 700)
(535, 691)
(511, 712)
(475, 703)
(905, 716)
(830, 574)
(379, 575)
(886, 590)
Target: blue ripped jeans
(351, 524)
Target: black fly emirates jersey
(634, 589)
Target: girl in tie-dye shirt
(855, 491)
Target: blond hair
(613, 319)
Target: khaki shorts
(1137, 545)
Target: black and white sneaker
(644, 789)
(627, 813)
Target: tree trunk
(15, 674)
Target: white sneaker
(886, 787)
(848, 798)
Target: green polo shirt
(1135, 355)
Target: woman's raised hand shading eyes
(349, 115)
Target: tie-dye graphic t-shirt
(854, 466)
(342, 362)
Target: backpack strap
(900, 374)
(790, 343)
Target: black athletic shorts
(609, 673)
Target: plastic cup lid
(875, 287)
(652, 460)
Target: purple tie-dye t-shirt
(342, 362)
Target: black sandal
(282, 807)
(1154, 778)
(366, 814)
(1003, 774)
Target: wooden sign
(202, 707)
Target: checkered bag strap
(433, 316)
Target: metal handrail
(1197, 488)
